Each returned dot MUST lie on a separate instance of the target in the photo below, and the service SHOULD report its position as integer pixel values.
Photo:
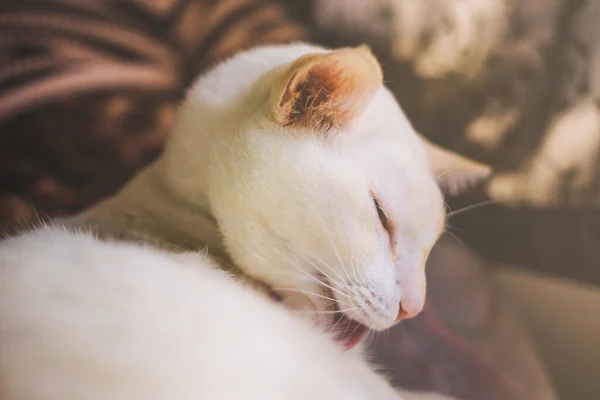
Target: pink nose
(403, 314)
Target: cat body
(293, 166)
(86, 319)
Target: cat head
(320, 186)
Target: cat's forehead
(383, 142)
(380, 148)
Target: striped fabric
(88, 88)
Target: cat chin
(350, 332)
(345, 330)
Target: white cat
(294, 165)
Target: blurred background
(89, 90)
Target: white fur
(295, 203)
(84, 319)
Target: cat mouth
(346, 330)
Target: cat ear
(453, 172)
(324, 91)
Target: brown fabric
(88, 95)
(89, 88)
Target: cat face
(322, 189)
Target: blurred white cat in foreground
(292, 163)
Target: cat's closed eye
(383, 217)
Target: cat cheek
(295, 301)
(307, 308)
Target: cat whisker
(340, 285)
(335, 324)
(319, 281)
(37, 215)
(370, 336)
(308, 274)
(456, 238)
(440, 175)
(290, 274)
(332, 311)
(327, 285)
(303, 279)
(353, 266)
(309, 293)
(310, 278)
(358, 277)
(471, 207)
(337, 254)
(458, 231)
(354, 330)
(333, 281)
(298, 251)
(447, 207)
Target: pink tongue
(350, 332)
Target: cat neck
(150, 209)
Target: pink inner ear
(326, 91)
